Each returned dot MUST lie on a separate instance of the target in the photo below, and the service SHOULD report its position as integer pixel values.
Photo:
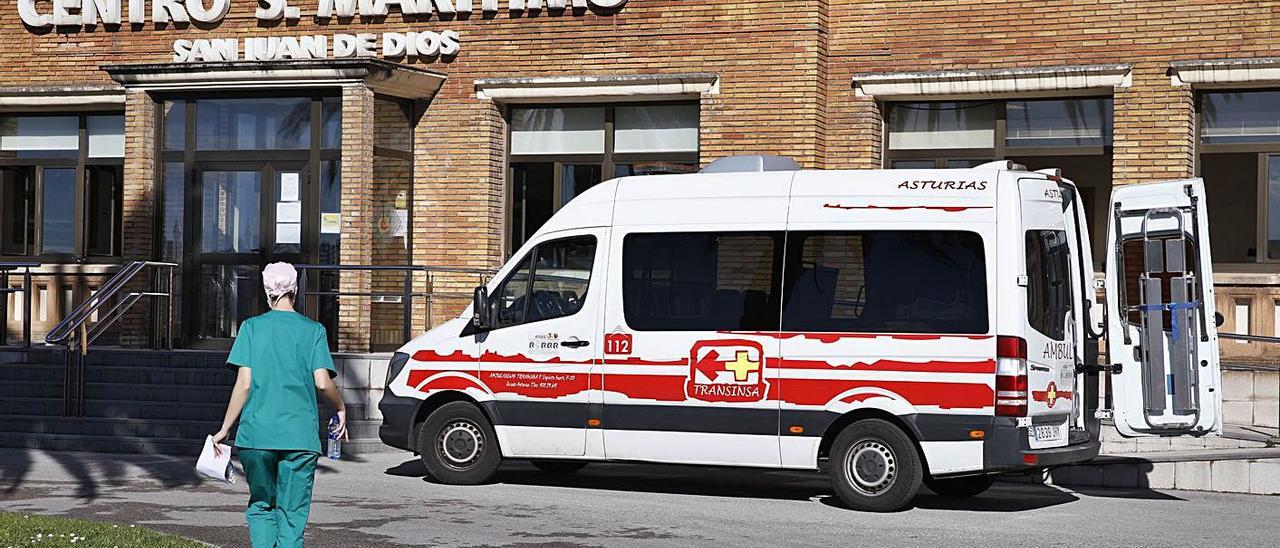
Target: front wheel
(968, 486)
(874, 466)
(458, 445)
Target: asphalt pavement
(384, 500)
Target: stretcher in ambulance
(891, 328)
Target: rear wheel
(458, 445)
(874, 466)
(559, 466)
(967, 486)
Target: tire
(458, 445)
(968, 486)
(874, 466)
(559, 466)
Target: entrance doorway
(247, 215)
(246, 181)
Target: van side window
(890, 281)
(561, 273)
(701, 281)
(1048, 282)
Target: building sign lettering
(83, 13)
(44, 14)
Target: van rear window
(701, 281)
(886, 281)
(1048, 282)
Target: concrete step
(109, 427)
(119, 356)
(30, 389)
(122, 374)
(1254, 471)
(1233, 438)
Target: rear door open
(1161, 336)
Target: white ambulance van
(891, 327)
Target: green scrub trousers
(279, 495)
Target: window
(561, 273)
(1048, 282)
(885, 282)
(701, 281)
(558, 153)
(932, 126)
(1071, 134)
(1239, 159)
(61, 185)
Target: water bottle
(335, 444)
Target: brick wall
(138, 208)
(354, 322)
(785, 70)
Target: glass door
(246, 215)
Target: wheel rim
(460, 444)
(871, 467)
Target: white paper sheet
(330, 223)
(288, 233)
(289, 212)
(213, 466)
(288, 187)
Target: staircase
(136, 401)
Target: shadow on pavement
(90, 471)
(1122, 493)
(748, 483)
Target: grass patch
(28, 530)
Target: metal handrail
(407, 294)
(75, 333)
(81, 315)
(5, 269)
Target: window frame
(531, 258)
(1262, 151)
(312, 157)
(607, 160)
(999, 149)
(776, 282)
(988, 311)
(1056, 332)
(80, 163)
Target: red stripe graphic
(641, 361)
(949, 209)
(648, 387)
(431, 356)
(986, 366)
(833, 337)
(947, 395)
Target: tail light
(1011, 377)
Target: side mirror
(1218, 320)
(481, 316)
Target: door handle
(575, 344)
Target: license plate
(1048, 433)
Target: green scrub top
(283, 349)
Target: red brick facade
(785, 73)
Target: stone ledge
(1019, 82)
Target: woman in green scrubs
(283, 361)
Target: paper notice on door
(330, 223)
(288, 187)
(289, 212)
(288, 233)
